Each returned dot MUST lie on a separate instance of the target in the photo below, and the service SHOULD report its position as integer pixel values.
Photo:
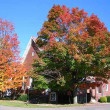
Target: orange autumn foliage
(11, 69)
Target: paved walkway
(88, 107)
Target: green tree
(40, 83)
(72, 47)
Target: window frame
(54, 94)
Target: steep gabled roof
(32, 39)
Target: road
(88, 107)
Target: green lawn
(15, 103)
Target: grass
(15, 103)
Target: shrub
(23, 97)
(103, 99)
(108, 98)
(6, 98)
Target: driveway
(88, 107)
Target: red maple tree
(76, 46)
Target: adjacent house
(102, 90)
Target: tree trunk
(75, 101)
(14, 95)
(1, 96)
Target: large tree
(11, 69)
(73, 47)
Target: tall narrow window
(106, 87)
(30, 82)
(99, 89)
(33, 53)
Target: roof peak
(28, 47)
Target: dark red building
(28, 58)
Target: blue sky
(29, 15)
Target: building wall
(29, 60)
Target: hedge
(108, 99)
